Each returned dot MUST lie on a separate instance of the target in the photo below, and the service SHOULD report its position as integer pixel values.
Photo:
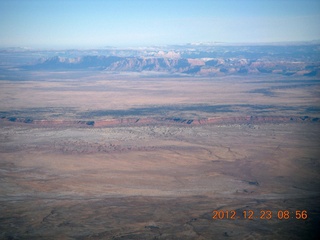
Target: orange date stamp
(262, 214)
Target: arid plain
(133, 156)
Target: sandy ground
(157, 181)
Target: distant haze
(43, 24)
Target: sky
(129, 23)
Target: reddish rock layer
(171, 121)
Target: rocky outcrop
(198, 66)
(113, 63)
(170, 121)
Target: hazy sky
(66, 23)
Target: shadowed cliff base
(161, 121)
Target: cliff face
(170, 121)
(149, 64)
(216, 66)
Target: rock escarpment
(152, 121)
(203, 66)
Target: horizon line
(194, 44)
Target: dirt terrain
(132, 157)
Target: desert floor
(158, 181)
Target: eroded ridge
(149, 120)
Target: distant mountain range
(215, 66)
(203, 60)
